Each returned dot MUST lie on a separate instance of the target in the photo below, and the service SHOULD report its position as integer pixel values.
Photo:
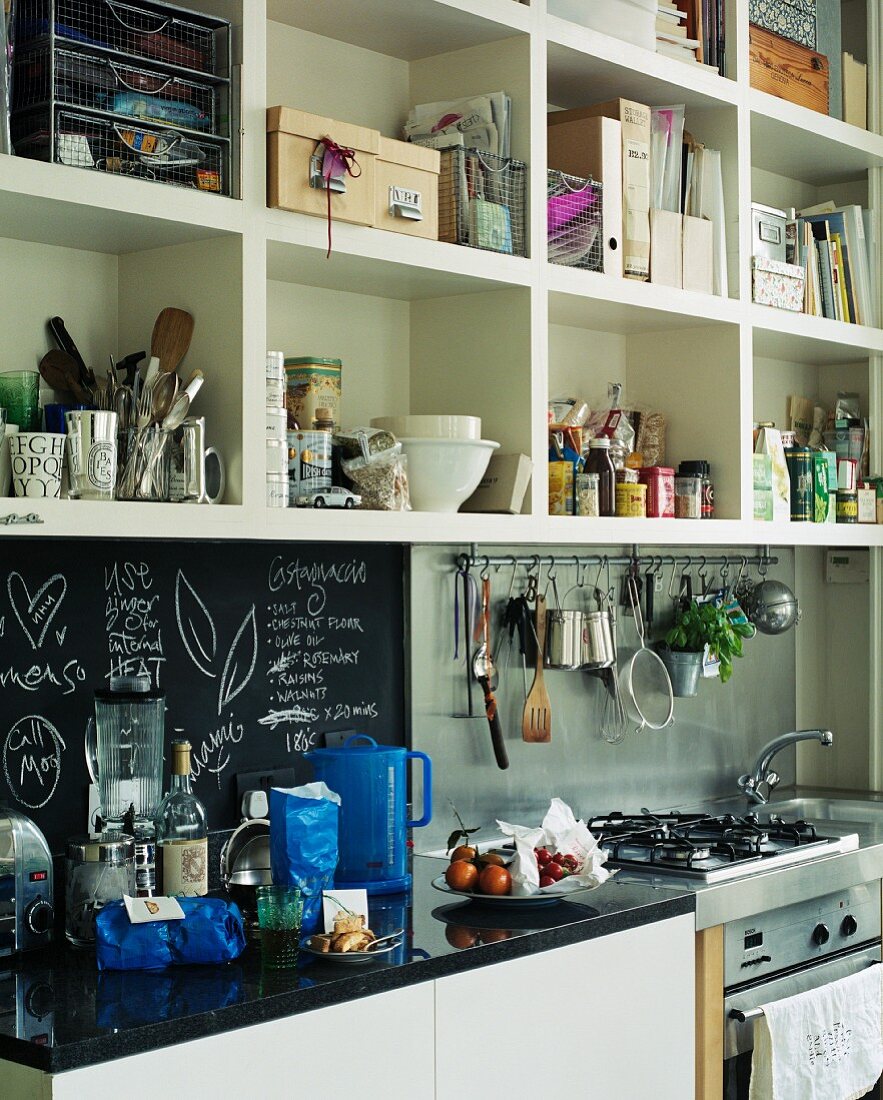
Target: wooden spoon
(172, 334)
(536, 722)
(59, 370)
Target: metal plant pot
(684, 669)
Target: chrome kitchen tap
(762, 776)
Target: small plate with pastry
(351, 942)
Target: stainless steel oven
(782, 952)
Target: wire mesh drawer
(122, 147)
(45, 76)
(574, 209)
(482, 201)
(152, 31)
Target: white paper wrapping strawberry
(560, 834)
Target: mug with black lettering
(36, 459)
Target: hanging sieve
(648, 686)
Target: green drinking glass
(19, 395)
(280, 909)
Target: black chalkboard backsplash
(260, 647)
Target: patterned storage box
(778, 284)
(794, 19)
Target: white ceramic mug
(92, 454)
(36, 459)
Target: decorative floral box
(794, 19)
(778, 284)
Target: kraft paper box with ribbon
(406, 189)
(319, 166)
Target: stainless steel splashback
(715, 737)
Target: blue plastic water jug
(372, 782)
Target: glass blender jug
(124, 751)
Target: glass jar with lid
(100, 867)
(599, 462)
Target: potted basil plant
(697, 626)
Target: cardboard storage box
(406, 188)
(788, 70)
(777, 284)
(794, 19)
(503, 487)
(294, 165)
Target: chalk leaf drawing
(59, 635)
(241, 661)
(196, 626)
(35, 613)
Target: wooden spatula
(536, 723)
(172, 333)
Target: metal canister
(800, 470)
(309, 463)
(631, 500)
(847, 506)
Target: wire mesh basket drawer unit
(123, 147)
(151, 31)
(103, 83)
(482, 201)
(574, 213)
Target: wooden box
(293, 138)
(788, 70)
(406, 189)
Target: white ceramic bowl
(442, 473)
(430, 427)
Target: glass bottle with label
(182, 832)
(600, 463)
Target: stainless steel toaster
(26, 911)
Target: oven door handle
(756, 1013)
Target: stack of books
(831, 244)
(692, 31)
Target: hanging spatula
(536, 722)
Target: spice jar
(600, 463)
(587, 494)
(660, 482)
(688, 496)
(702, 468)
(847, 506)
(100, 868)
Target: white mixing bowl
(423, 426)
(442, 473)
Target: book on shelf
(831, 244)
(706, 23)
(670, 30)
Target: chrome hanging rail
(760, 559)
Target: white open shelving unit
(423, 326)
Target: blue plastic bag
(132, 998)
(303, 843)
(211, 932)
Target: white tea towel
(825, 1044)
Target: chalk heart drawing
(59, 635)
(35, 613)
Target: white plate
(351, 958)
(546, 897)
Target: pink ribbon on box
(337, 162)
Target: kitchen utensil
(485, 673)
(648, 683)
(614, 721)
(536, 722)
(194, 384)
(59, 372)
(396, 935)
(245, 864)
(134, 462)
(470, 599)
(564, 635)
(124, 749)
(99, 868)
(172, 333)
(772, 607)
(26, 872)
(66, 343)
(372, 782)
(20, 396)
(129, 364)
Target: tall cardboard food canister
(406, 189)
(294, 166)
(635, 120)
(312, 383)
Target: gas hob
(707, 848)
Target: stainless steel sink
(826, 809)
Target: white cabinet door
(609, 1019)
(376, 1048)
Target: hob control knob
(39, 917)
(820, 935)
(849, 927)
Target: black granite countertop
(57, 1012)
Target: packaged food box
(763, 487)
(769, 442)
(867, 503)
(560, 488)
(825, 486)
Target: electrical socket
(262, 781)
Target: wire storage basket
(574, 210)
(126, 148)
(44, 76)
(152, 31)
(482, 200)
